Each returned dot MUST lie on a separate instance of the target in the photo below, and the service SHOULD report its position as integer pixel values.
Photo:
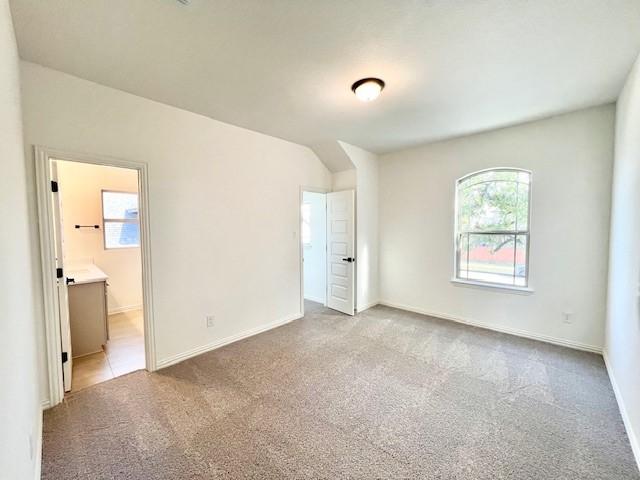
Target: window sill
(493, 286)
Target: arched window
(492, 227)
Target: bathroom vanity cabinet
(88, 315)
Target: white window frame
(456, 237)
(118, 220)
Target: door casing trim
(42, 158)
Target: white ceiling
(285, 67)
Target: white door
(63, 299)
(340, 249)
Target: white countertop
(87, 273)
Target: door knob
(349, 259)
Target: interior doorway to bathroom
(96, 241)
(99, 225)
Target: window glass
(120, 219)
(493, 227)
(118, 205)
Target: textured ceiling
(285, 67)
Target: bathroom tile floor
(124, 352)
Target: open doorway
(100, 230)
(327, 243)
(94, 232)
(314, 247)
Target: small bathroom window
(120, 218)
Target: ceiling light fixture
(367, 89)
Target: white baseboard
(368, 306)
(127, 308)
(165, 362)
(512, 331)
(634, 440)
(45, 404)
(314, 299)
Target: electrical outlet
(567, 317)
(210, 321)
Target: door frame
(43, 157)
(300, 246)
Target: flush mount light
(367, 89)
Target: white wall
(367, 278)
(315, 254)
(622, 346)
(571, 159)
(81, 186)
(20, 411)
(345, 180)
(224, 204)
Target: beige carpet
(385, 394)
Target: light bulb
(367, 89)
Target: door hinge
(65, 357)
(59, 273)
(54, 186)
